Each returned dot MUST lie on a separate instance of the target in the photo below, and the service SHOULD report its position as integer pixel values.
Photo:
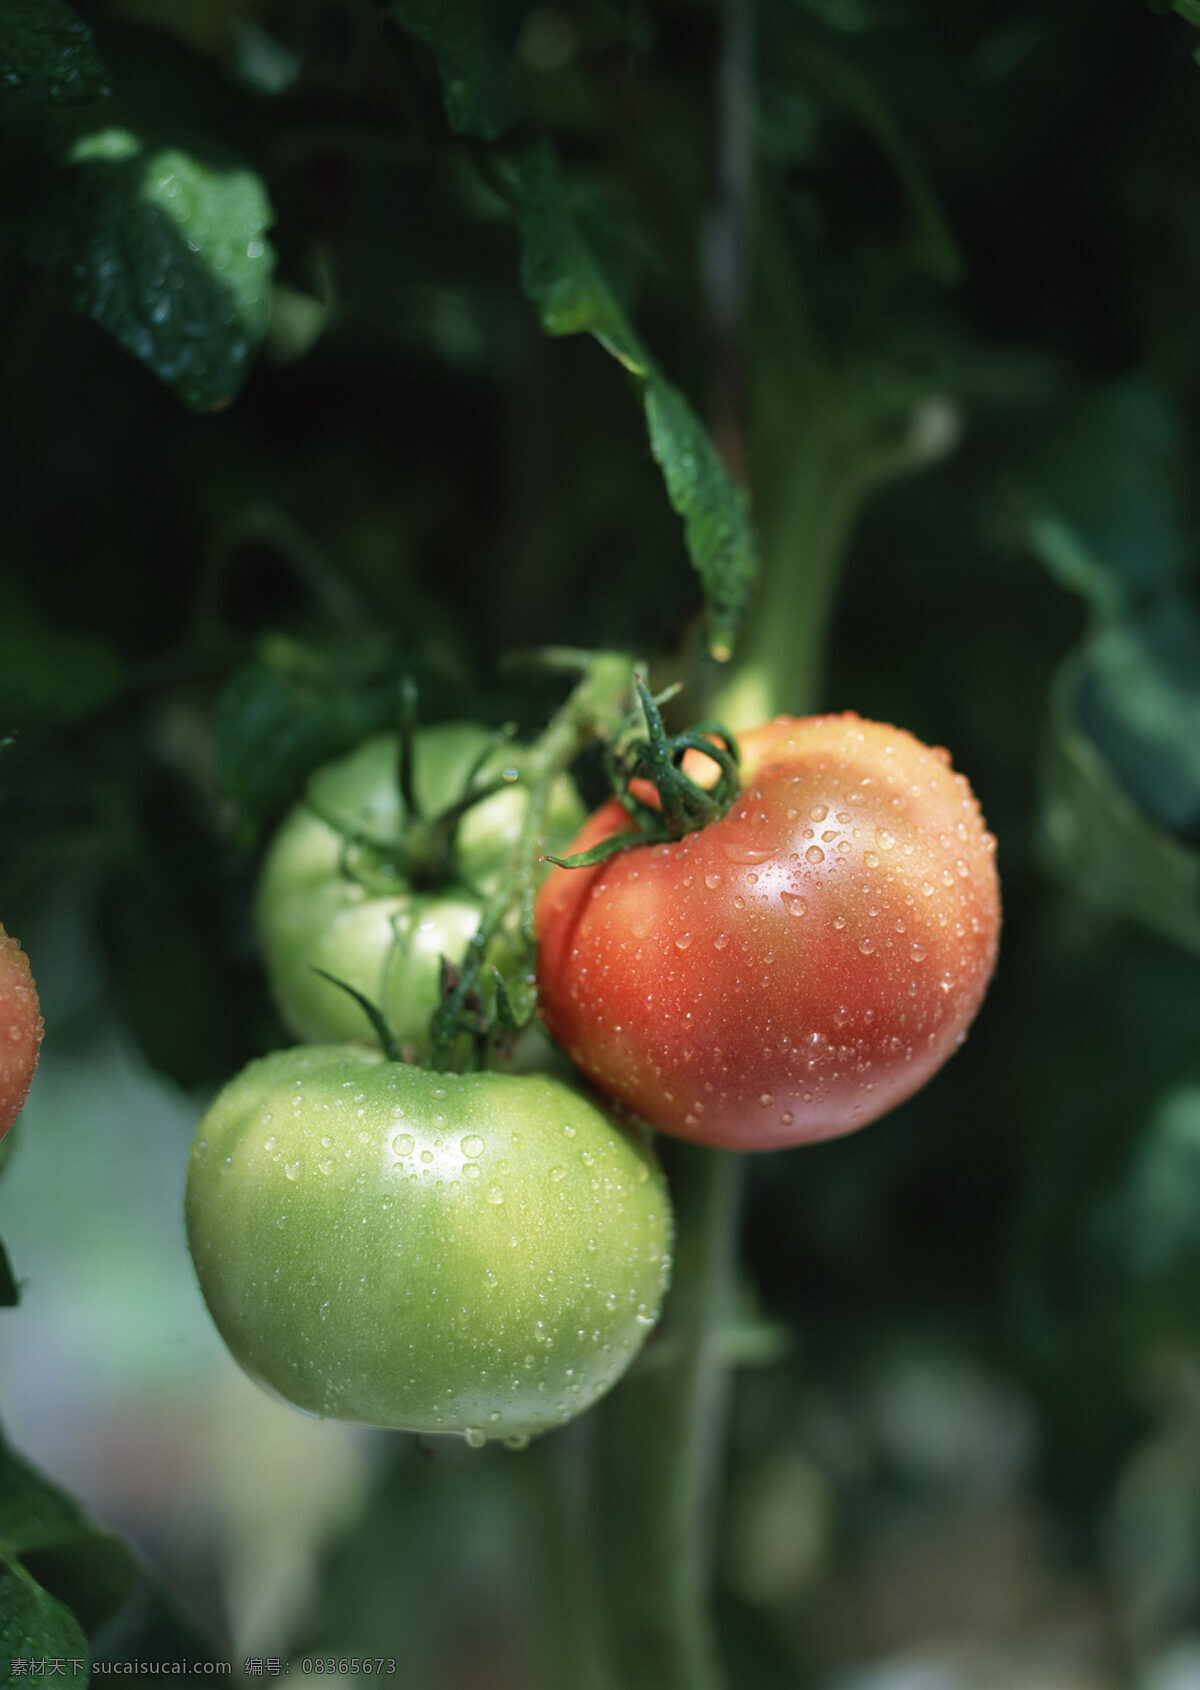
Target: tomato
(327, 899)
(20, 1030)
(798, 967)
(474, 1253)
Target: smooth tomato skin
(21, 1030)
(793, 970)
(480, 1253)
(384, 937)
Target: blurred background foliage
(282, 423)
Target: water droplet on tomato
(712, 881)
(683, 940)
(720, 942)
(814, 854)
(866, 946)
(886, 841)
(794, 903)
(737, 852)
(819, 812)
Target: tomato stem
(592, 708)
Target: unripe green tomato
(473, 1253)
(326, 903)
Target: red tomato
(793, 970)
(20, 1029)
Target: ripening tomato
(20, 1029)
(797, 968)
(334, 892)
(475, 1253)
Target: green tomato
(328, 903)
(474, 1253)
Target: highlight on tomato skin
(794, 970)
(21, 1029)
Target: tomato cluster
(485, 1252)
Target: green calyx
(683, 806)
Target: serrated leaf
(715, 510)
(168, 252)
(559, 271)
(475, 63)
(561, 274)
(36, 1629)
(1100, 841)
(47, 53)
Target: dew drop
(471, 1146)
(720, 942)
(475, 1437)
(818, 812)
(682, 941)
(712, 881)
(292, 1170)
(404, 1144)
(495, 1195)
(917, 953)
(866, 946)
(471, 1170)
(886, 841)
(814, 854)
(794, 903)
(737, 852)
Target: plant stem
(806, 517)
(656, 1456)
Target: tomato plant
(478, 1253)
(794, 969)
(359, 883)
(20, 1029)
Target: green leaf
(474, 62)
(1099, 840)
(561, 274)
(282, 716)
(1139, 700)
(559, 271)
(35, 1629)
(168, 252)
(1109, 519)
(47, 53)
(715, 510)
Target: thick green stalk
(806, 514)
(656, 1455)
